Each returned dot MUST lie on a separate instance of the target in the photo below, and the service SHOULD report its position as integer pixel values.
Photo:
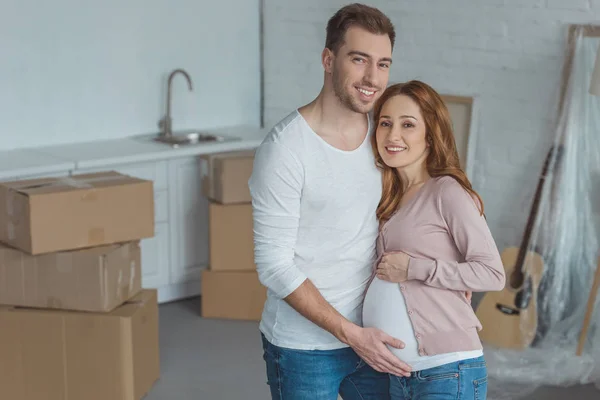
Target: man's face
(360, 70)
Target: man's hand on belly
(370, 345)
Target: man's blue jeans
(462, 380)
(321, 375)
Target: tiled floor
(204, 359)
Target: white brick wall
(508, 54)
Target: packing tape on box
(131, 275)
(125, 288)
(10, 231)
(69, 181)
(126, 253)
(104, 287)
(119, 285)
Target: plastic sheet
(566, 234)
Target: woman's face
(401, 134)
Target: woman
(434, 246)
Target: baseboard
(178, 291)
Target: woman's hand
(393, 267)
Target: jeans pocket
(441, 376)
(442, 383)
(436, 376)
(480, 388)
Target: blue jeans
(462, 380)
(321, 375)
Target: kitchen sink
(187, 137)
(177, 139)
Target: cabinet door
(155, 257)
(188, 219)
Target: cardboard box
(228, 175)
(96, 279)
(231, 237)
(58, 355)
(53, 214)
(232, 295)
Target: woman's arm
(482, 269)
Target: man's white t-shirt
(314, 217)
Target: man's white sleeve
(276, 186)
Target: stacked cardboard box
(74, 320)
(230, 287)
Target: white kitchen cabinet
(188, 220)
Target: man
(315, 189)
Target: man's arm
(276, 188)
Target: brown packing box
(232, 295)
(96, 279)
(228, 175)
(72, 212)
(59, 355)
(231, 237)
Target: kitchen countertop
(21, 163)
(106, 153)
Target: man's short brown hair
(366, 17)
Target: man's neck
(328, 117)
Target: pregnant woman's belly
(384, 308)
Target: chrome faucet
(166, 122)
